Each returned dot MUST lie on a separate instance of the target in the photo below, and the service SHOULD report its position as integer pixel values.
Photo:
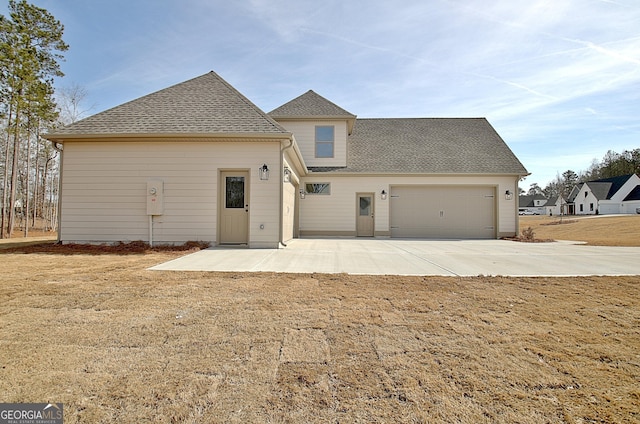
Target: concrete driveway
(417, 257)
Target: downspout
(516, 196)
(282, 150)
(59, 148)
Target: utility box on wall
(155, 197)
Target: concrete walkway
(417, 257)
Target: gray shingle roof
(528, 201)
(310, 104)
(600, 189)
(428, 145)
(574, 192)
(605, 188)
(203, 105)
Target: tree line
(31, 48)
(613, 164)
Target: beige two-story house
(199, 161)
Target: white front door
(234, 207)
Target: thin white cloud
(556, 74)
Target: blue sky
(558, 79)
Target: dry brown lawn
(117, 343)
(607, 230)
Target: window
(324, 141)
(581, 207)
(365, 206)
(234, 193)
(586, 193)
(317, 188)
(591, 207)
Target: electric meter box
(155, 197)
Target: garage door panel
(443, 211)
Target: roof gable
(310, 105)
(528, 200)
(574, 192)
(428, 145)
(552, 201)
(600, 189)
(633, 195)
(614, 184)
(203, 105)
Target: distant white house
(617, 195)
(555, 206)
(540, 205)
(532, 205)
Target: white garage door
(443, 212)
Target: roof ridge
(425, 117)
(249, 102)
(309, 104)
(206, 104)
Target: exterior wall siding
(586, 201)
(288, 211)
(104, 190)
(335, 214)
(632, 206)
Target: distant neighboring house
(199, 161)
(532, 204)
(555, 206)
(540, 205)
(617, 195)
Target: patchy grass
(93, 328)
(604, 230)
(117, 343)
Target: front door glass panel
(365, 206)
(234, 193)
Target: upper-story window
(325, 140)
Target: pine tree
(30, 46)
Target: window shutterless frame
(325, 141)
(317, 188)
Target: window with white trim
(325, 141)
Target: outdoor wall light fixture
(383, 195)
(303, 194)
(508, 195)
(263, 171)
(287, 175)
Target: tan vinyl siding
(335, 212)
(305, 137)
(104, 190)
(288, 211)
